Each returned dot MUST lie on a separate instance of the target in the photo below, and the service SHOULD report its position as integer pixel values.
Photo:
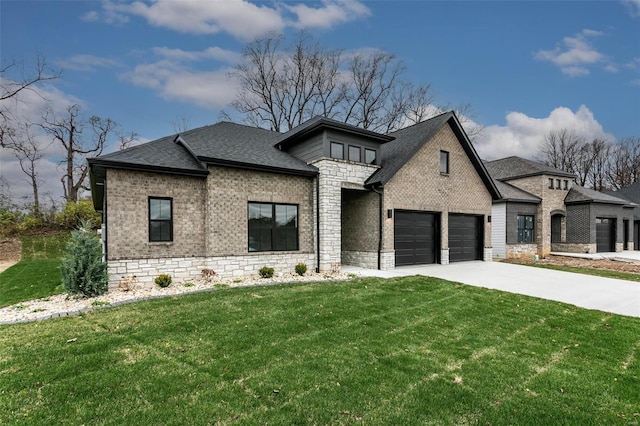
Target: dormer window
(337, 150)
(557, 183)
(566, 184)
(354, 153)
(370, 156)
(550, 183)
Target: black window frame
(558, 184)
(375, 156)
(566, 184)
(359, 160)
(521, 232)
(273, 230)
(550, 183)
(161, 221)
(446, 162)
(331, 145)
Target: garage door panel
(414, 237)
(465, 238)
(605, 234)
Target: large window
(370, 156)
(444, 162)
(160, 219)
(273, 227)
(525, 229)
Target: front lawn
(412, 350)
(37, 274)
(590, 271)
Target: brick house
(234, 198)
(632, 193)
(542, 210)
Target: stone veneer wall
(518, 251)
(573, 247)
(334, 175)
(418, 185)
(209, 223)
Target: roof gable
(579, 194)
(409, 140)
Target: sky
(525, 67)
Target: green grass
(412, 350)
(37, 274)
(589, 271)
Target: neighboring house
(234, 198)
(543, 210)
(632, 194)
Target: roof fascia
(258, 168)
(93, 162)
(324, 124)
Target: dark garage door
(415, 237)
(465, 237)
(605, 234)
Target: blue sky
(525, 67)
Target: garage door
(415, 237)
(465, 237)
(605, 234)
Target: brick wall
(127, 195)
(360, 218)
(418, 185)
(552, 200)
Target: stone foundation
(363, 259)
(387, 260)
(185, 269)
(573, 248)
(444, 256)
(488, 254)
(519, 251)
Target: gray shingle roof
(511, 193)
(517, 167)
(631, 193)
(408, 141)
(222, 143)
(579, 194)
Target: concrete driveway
(586, 291)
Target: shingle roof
(517, 167)
(631, 193)
(222, 143)
(511, 193)
(579, 194)
(408, 141)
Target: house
(542, 210)
(233, 198)
(632, 194)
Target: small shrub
(83, 271)
(266, 272)
(301, 269)
(163, 280)
(189, 284)
(75, 214)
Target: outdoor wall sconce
(389, 214)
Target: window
(444, 162)
(370, 156)
(337, 150)
(273, 227)
(525, 229)
(354, 153)
(566, 184)
(160, 219)
(550, 183)
(557, 183)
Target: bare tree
(283, 86)
(15, 78)
(561, 150)
(180, 124)
(624, 167)
(28, 151)
(79, 138)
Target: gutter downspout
(318, 223)
(380, 219)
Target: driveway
(586, 291)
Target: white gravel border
(61, 305)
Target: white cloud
(523, 135)
(240, 18)
(328, 15)
(91, 16)
(633, 6)
(574, 54)
(87, 63)
(215, 53)
(211, 89)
